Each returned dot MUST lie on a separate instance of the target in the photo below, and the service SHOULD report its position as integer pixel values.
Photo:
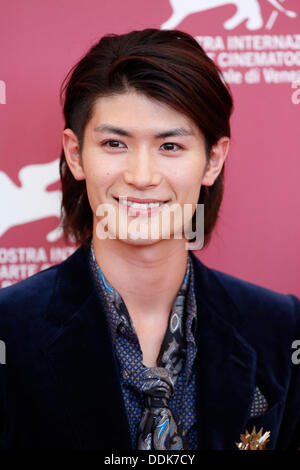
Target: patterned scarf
(158, 428)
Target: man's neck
(147, 277)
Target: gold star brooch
(253, 441)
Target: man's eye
(116, 144)
(171, 147)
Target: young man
(133, 343)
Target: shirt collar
(121, 316)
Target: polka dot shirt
(130, 357)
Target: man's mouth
(142, 206)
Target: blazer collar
(79, 348)
(226, 364)
(80, 353)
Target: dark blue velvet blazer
(59, 387)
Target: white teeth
(137, 205)
(122, 201)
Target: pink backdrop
(257, 237)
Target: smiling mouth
(136, 206)
(140, 204)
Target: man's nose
(142, 170)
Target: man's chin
(140, 241)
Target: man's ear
(217, 158)
(71, 148)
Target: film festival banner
(256, 44)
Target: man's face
(143, 150)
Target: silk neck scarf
(158, 428)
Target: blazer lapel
(225, 362)
(80, 354)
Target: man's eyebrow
(112, 130)
(177, 131)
